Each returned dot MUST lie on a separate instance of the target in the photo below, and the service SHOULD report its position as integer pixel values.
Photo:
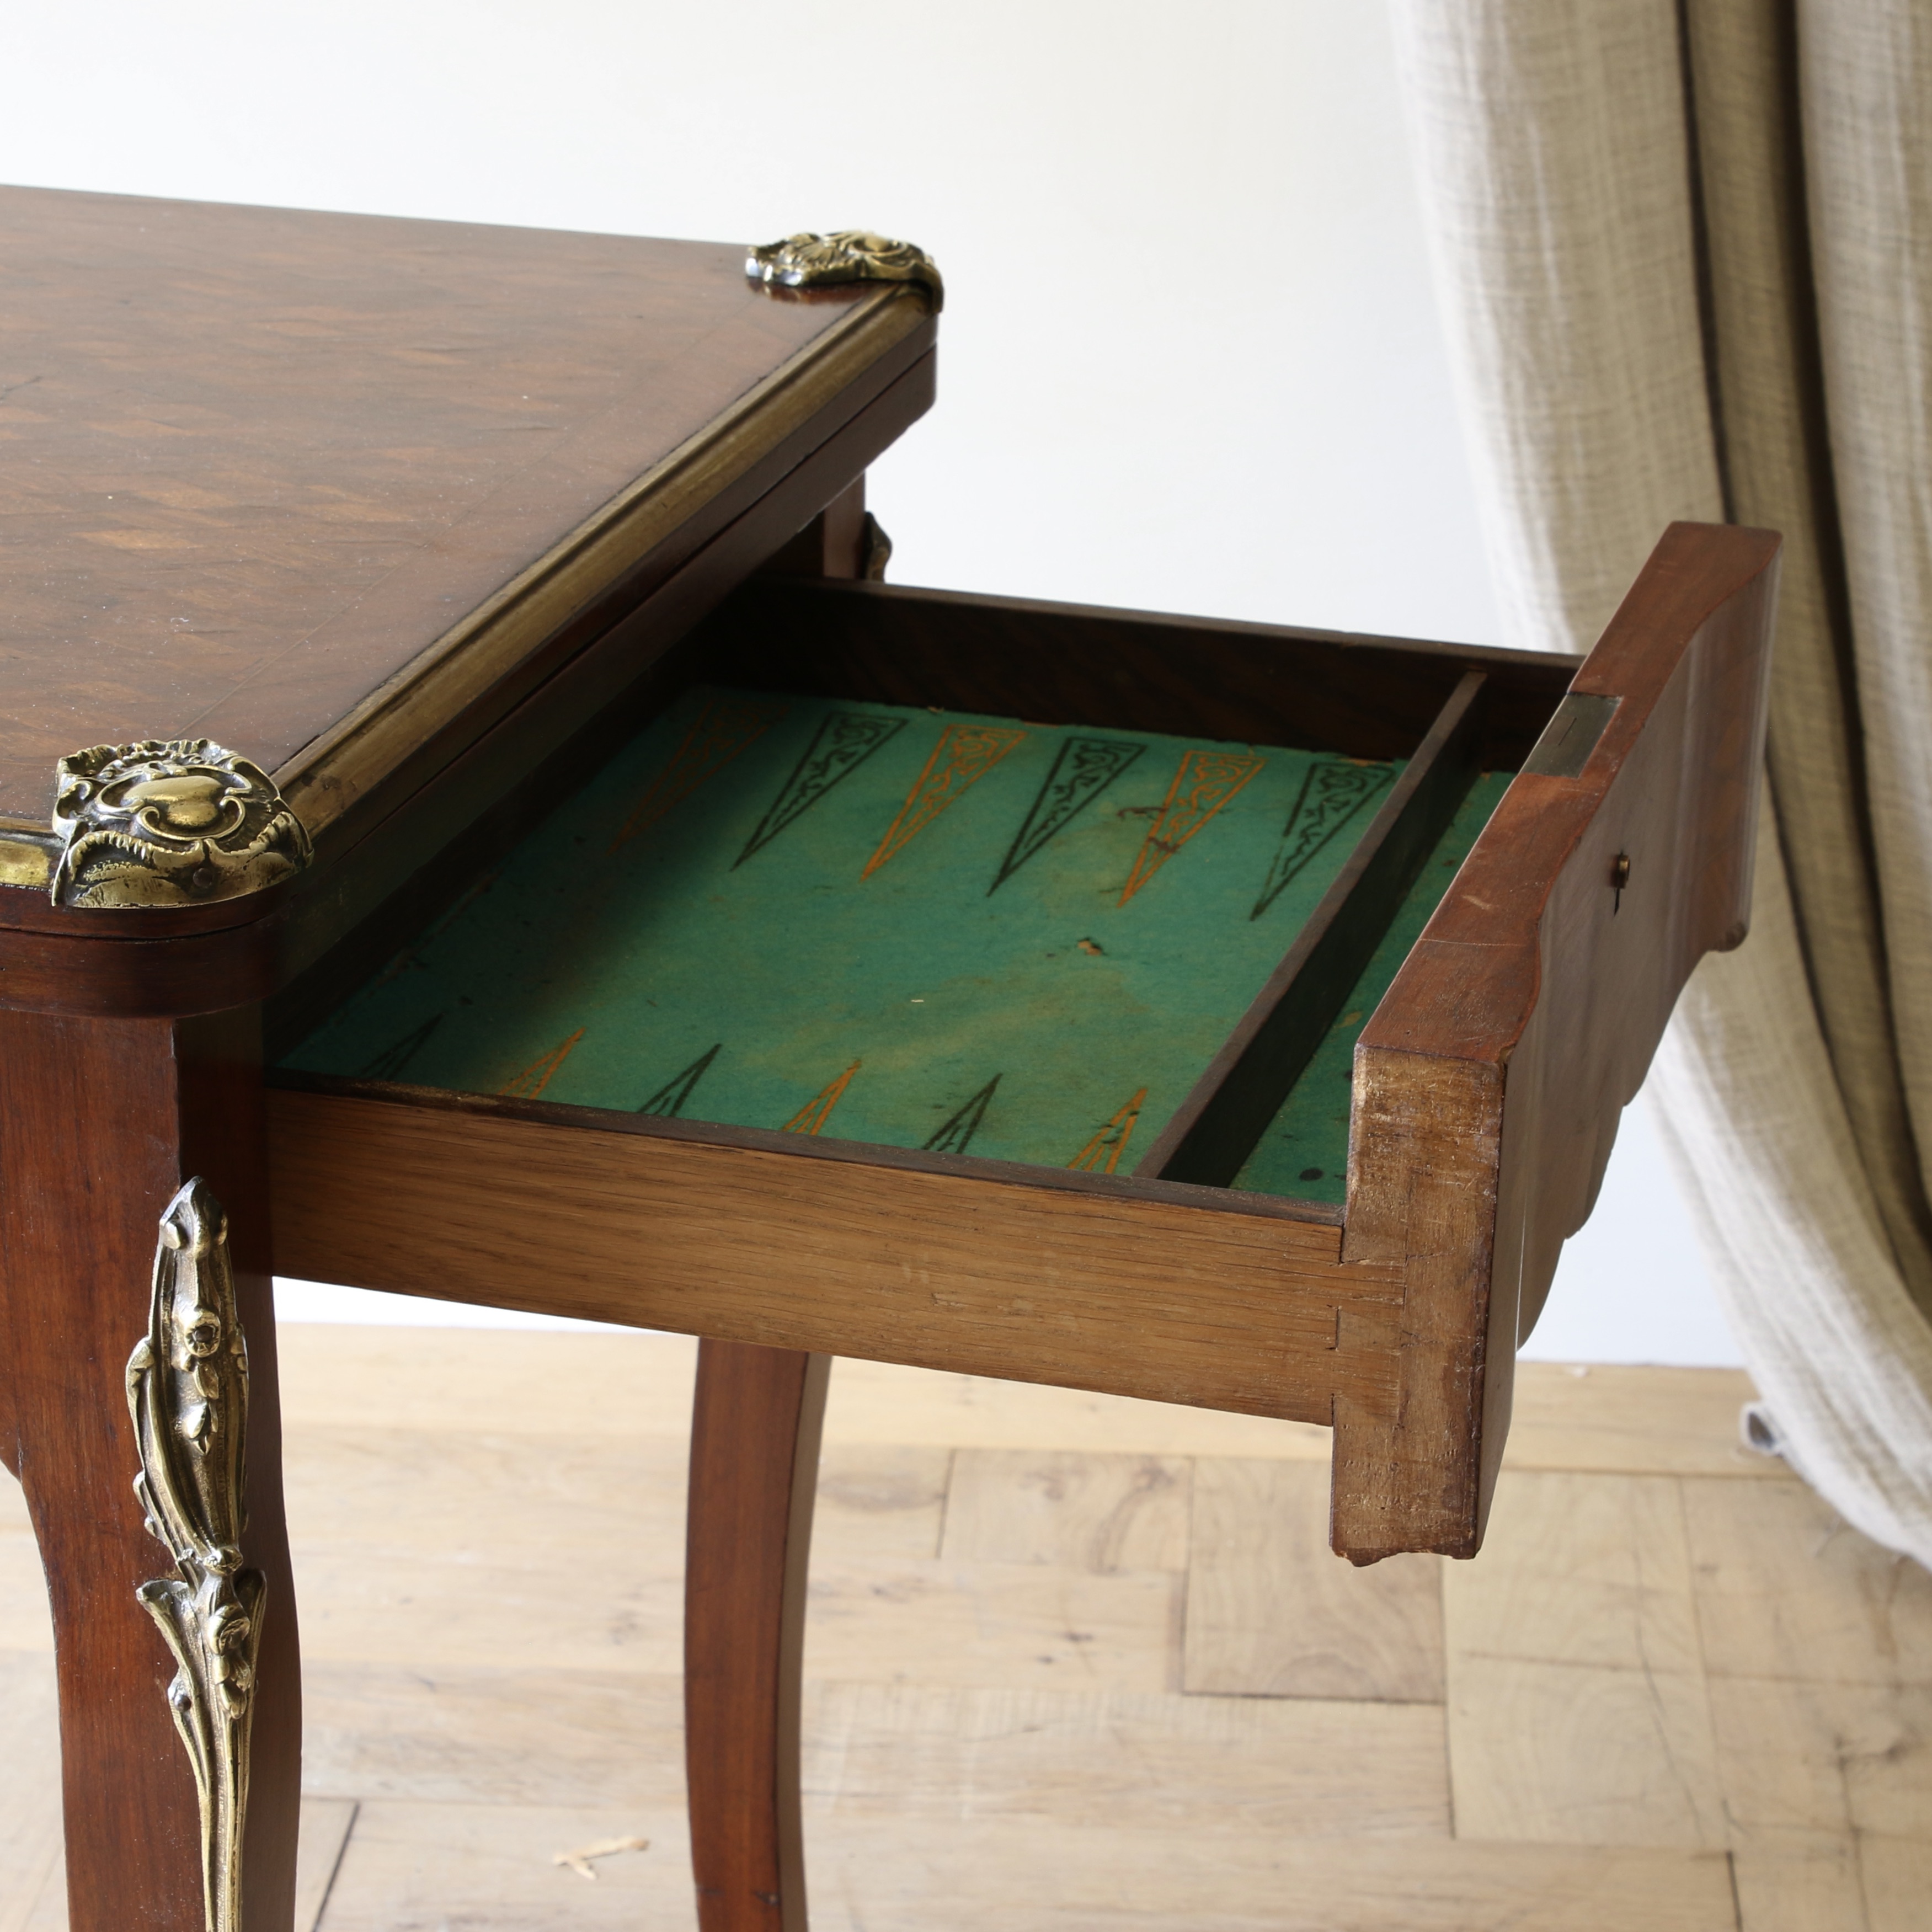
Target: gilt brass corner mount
(187, 1390)
(850, 255)
(168, 822)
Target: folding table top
(304, 484)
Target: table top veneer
(301, 483)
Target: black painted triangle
(844, 741)
(388, 1064)
(1083, 769)
(1334, 791)
(669, 1100)
(957, 1131)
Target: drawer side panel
(1130, 1296)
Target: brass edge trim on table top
(187, 1390)
(168, 823)
(29, 854)
(810, 261)
(322, 780)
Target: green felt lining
(1304, 1151)
(919, 928)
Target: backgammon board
(912, 927)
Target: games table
(473, 824)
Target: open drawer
(1213, 1013)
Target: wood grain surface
(119, 978)
(1142, 1288)
(263, 461)
(365, 896)
(100, 1123)
(1070, 664)
(1490, 1082)
(754, 1434)
(1258, 1542)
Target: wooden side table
(383, 628)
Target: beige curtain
(1684, 253)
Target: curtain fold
(1684, 252)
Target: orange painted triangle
(1203, 781)
(811, 1118)
(535, 1077)
(964, 754)
(1102, 1154)
(723, 726)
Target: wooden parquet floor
(1074, 1663)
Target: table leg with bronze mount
(136, 1301)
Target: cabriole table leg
(102, 1123)
(754, 1435)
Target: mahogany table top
(264, 474)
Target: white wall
(1191, 360)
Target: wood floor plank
(1888, 1766)
(25, 1622)
(468, 1494)
(1236, 1766)
(534, 1735)
(1828, 1758)
(1581, 1569)
(405, 1493)
(487, 1869)
(884, 1499)
(1897, 1881)
(1809, 1883)
(1578, 1712)
(505, 1381)
(992, 1625)
(1023, 1877)
(326, 1823)
(412, 1868)
(1081, 1510)
(30, 1820)
(1272, 1613)
(1786, 1588)
(1615, 1418)
(1780, 1753)
(623, 1611)
(438, 1548)
(41, 1899)
(1564, 1753)
(1170, 1766)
